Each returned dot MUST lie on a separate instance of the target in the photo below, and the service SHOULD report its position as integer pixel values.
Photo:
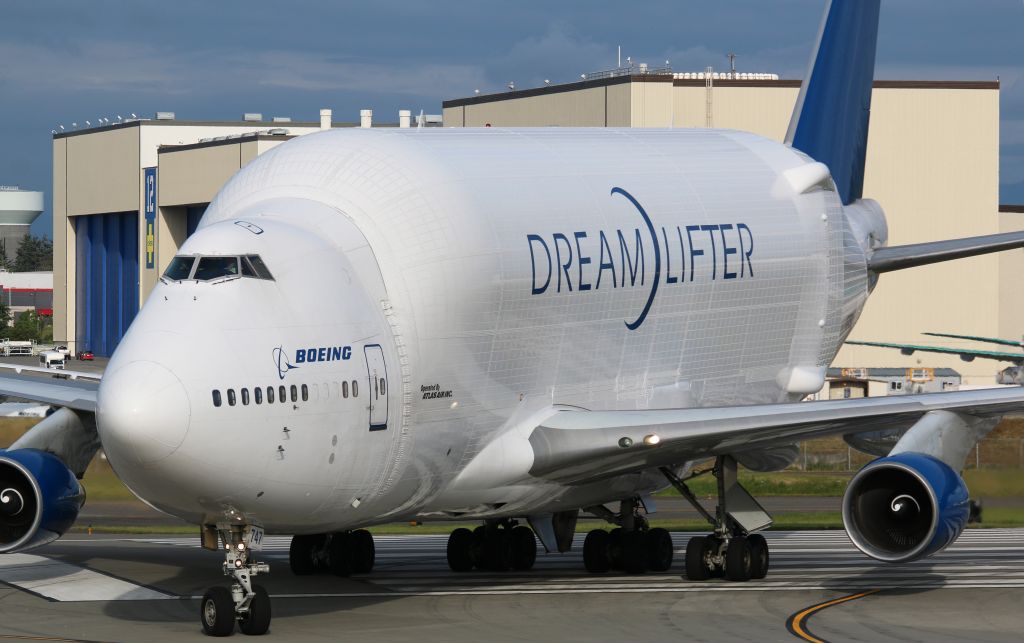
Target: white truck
(13, 347)
(52, 359)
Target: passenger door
(377, 379)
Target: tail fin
(830, 120)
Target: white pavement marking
(60, 581)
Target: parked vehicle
(52, 359)
(85, 355)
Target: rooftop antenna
(547, 82)
(61, 128)
(511, 85)
(119, 119)
(419, 120)
(732, 64)
(618, 64)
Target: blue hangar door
(106, 279)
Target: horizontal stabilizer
(922, 254)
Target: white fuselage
(469, 283)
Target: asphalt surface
(133, 589)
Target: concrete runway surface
(110, 588)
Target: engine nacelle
(904, 507)
(39, 499)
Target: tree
(26, 327)
(5, 318)
(34, 254)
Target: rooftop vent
(250, 117)
(165, 116)
(282, 119)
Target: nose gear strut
(246, 602)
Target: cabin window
(383, 386)
(305, 393)
(282, 394)
(245, 397)
(344, 389)
(216, 398)
(179, 268)
(355, 388)
(231, 397)
(270, 395)
(295, 393)
(257, 394)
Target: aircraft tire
(478, 548)
(256, 621)
(300, 555)
(595, 552)
(634, 552)
(659, 550)
(738, 561)
(759, 558)
(217, 612)
(498, 549)
(697, 551)
(339, 555)
(615, 545)
(364, 554)
(524, 548)
(460, 544)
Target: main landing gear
(246, 602)
(732, 550)
(496, 546)
(632, 547)
(342, 554)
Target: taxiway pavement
(111, 588)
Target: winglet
(830, 120)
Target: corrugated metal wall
(107, 285)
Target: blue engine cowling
(904, 507)
(39, 499)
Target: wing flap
(580, 446)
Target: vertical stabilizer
(830, 120)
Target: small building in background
(23, 291)
(848, 383)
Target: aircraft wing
(966, 354)
(975, 338)
(79, 395)
(575, 446)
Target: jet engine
(39, 499)
(904, 507)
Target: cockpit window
(216, 268)
(211, 268)
(179, 268)
(261, 268)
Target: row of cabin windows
(283, 393)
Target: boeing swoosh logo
(281, 360)
(584, 260)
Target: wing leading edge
(966, 354)
(79, 395)
(580, 446)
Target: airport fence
(836, 455)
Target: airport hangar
(933, 163)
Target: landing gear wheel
(595, 552)
(339, 558)
(758, 556)
(615, 544)
(477, 551)
(659, 550)
(697, 552)
(363, 552)
(738, 560)
(256, 621)
(460, 543)
(498, 549)
(217, 612)
(524, 548)
(634, 552)
(300, 555)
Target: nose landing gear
(246, 602)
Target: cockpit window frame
(248, 266)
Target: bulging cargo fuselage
(426, 291)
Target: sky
(64, 61)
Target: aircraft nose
(143, 412)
